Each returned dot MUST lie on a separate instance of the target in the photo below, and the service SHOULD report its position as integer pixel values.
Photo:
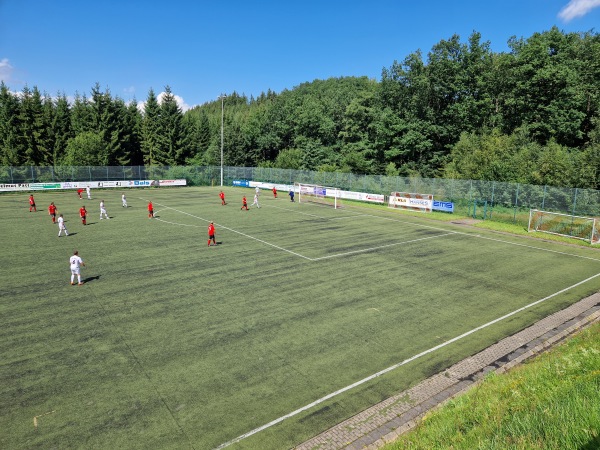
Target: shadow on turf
(88, 279)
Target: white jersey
(102, 209)
(124, 200)
(88, 191)
(61, 223)
(75, 261)
(257, 190)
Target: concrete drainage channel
(389, 419)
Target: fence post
(516, 204)
(493, 191)
(544, 197)
(574, 201)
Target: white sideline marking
(395, 366)
(377, 248)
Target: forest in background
(528, 115)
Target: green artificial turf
(173, 344)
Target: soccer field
(301, 316)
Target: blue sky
(202, 49)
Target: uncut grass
(549, 402)
(188, 344)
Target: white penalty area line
(462, 233)
(400, 364)
(379, 247)
(175, 223)
(237, 232)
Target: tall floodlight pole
(222, 97)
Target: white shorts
(75, 270)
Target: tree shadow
(593, 444)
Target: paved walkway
(387, 420)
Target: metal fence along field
(484, 199)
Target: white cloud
(180, 102)
(6, 70)
(577, 8)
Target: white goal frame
(315, 193)
(576, 227)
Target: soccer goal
(578, 227)
(314, 193)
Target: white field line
(337, 255)
(174, 223)
(484, 237)
(238, 232)
(395, 366)
(374, 248)
(378, 247)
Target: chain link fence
(488, 200)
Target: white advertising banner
(362, 196)
(413, 201)
(172, 182)
(91, 184)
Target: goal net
(314, 193)
(578, 227)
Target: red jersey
(244, 200)
(222, 195)
(211, 229)
(150, 208)
(31, 200)
(52, 209)
(82, 212)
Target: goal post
(315, 193)
(578, 227)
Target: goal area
(578, 227)
(322, 195)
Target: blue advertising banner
(241, 183)
(443, 206)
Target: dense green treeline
(529, 115)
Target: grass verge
(549, 402)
